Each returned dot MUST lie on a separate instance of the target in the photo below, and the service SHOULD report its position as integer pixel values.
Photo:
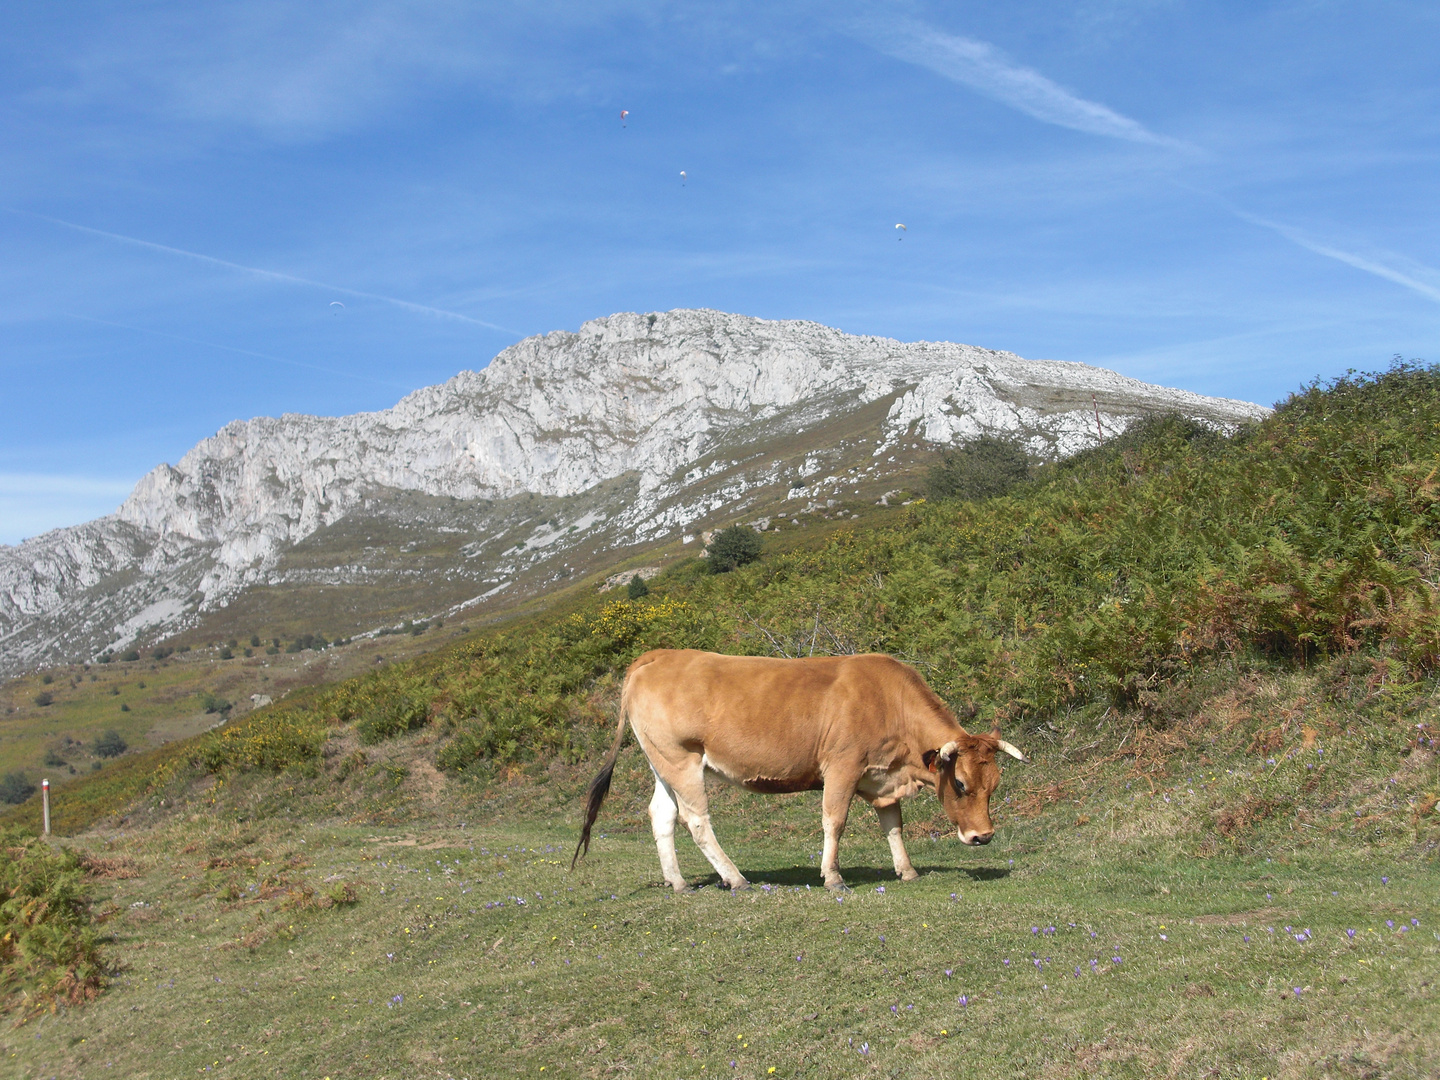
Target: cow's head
(966, 777)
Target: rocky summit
(568, 454)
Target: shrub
(15, 788)
(45, 697)
(53, 759)
(981, 469)
(267, 740)
(50, 952)
(637, 588)
(272, 650)
(124, 707)
(111, 744)
(226, 654)
(254, 641)
(161, 653)
(393, 715)
(213, 704)
(130, 655)
(733, 547)
(47, 678)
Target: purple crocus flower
(1350, 934)
(963, 1000)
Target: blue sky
(1233, 198)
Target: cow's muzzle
(977, 838)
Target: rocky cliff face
(632, 430)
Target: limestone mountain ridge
(567, 452)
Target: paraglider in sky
(334, 305)
(682, 177)
(623, 114)
(902, 228)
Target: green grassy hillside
(1221, 654)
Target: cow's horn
(1012, 750)
(949, 750)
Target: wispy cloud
(1412, 276)
(34, 503)
(13, 483)
(235, 349)
(272, 275)
(984, 68)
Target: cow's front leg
(835, 808)
(890, 821)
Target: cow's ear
(929, 758)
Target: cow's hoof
(738, 886)
(838, 885)
(910, 875)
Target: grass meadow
(1094, 937)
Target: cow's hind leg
(834, 809)
(695, 810)
(663, 812)
(890, 821)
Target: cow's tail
(600, 786)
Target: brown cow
(845, 725)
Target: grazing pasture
(467, 950)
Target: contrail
(1360, 262)
(981, 66)
(272, 275)
(234, 349)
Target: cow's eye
(959, 786)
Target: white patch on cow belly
(719, 770)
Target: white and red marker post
(45, 800)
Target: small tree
(45, 697)
(213, 704)
(985, 467)
(15, 788)
(111, 744)
(733, 547)
(637, 588)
